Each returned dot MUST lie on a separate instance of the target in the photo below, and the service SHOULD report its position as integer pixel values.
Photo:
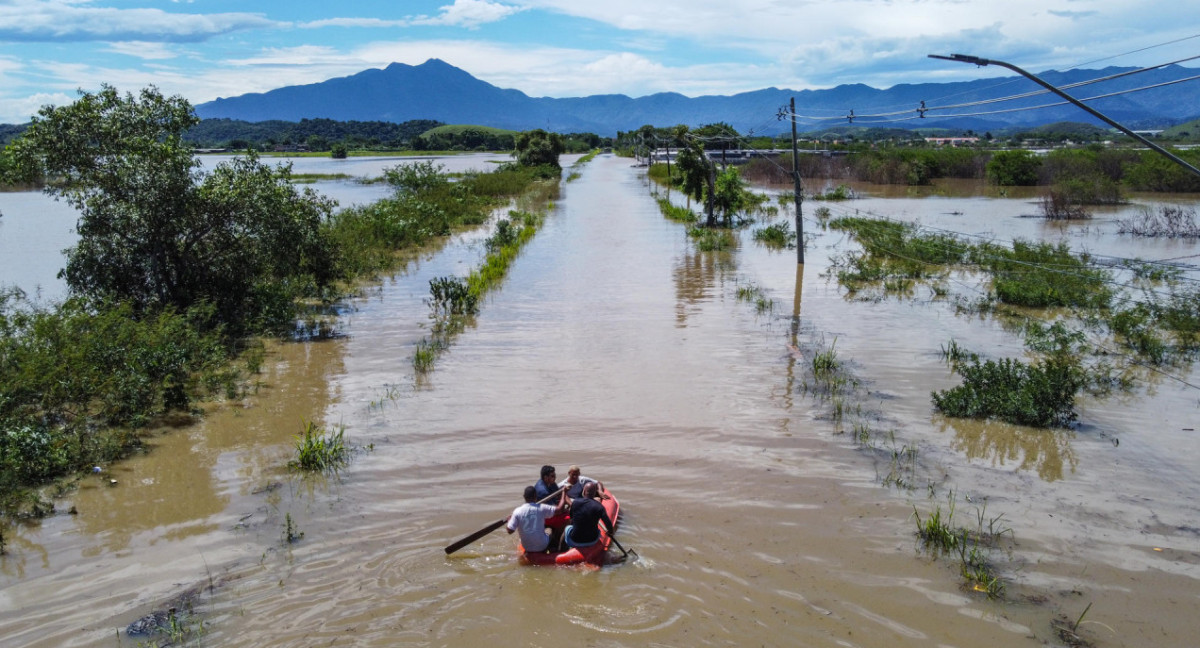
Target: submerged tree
(538, 148)
(155, 231)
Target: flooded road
(613, 343)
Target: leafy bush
(1039, 395)
(1043, 274)
(776, 236)
(1014, 168)
(1153, 172)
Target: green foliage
(1136, 328)
(452, 295)
(1044, 274)
(1014, 168)
(538, 148)
(320, 451)
(318, 134)
(418, 177)
(712, 240)
(338, 152)
(1038, 395)
(730, 195)
(1154, 172)
(776, 236)
(840, 192)
(155, 233)
(694, 169)
(467, 138)
(75, 382)
(675, 213)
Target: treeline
(1111, 169)
(176, 272)
(327, 135)
(313, 134)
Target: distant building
(951, 141)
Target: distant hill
(436, 90)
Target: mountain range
(439, 91)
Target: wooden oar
(624, 554)
(492, 527)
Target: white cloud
(75, 20)
(463, 13)
(19, 110)
(143, 50)
(469, 14)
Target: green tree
(1014, 168)
(696, 172)
(729, 194)
(538, 148)
(155, 231)
(338, 151)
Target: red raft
(593, 554)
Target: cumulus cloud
(19, 110)
(469, 14)
(77, 20)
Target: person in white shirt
(530, 519)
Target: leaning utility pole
(965, 58)
(798, 191)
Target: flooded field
(616, 345)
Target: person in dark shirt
(586, 516)
(546, 486)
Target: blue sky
(204, 49)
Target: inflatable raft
(593, 554)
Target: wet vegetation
(972, 547)
(1027, 282)
(1167, 221)
(207, 263)
(320, 450)
(454, 300)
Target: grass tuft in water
(711, 239)
(320, 451)
(778, 236)
(291, 533)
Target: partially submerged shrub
(778, 236)
(1058, 205)
(1170, 221)
(1039, 395)
(711, 239)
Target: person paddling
(586, 515)
(530, 519)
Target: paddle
(624, 554)
(492, 527)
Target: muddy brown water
(616, 345)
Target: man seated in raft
(586, 516)
(545, 487)
(575, 482)
(530, 519)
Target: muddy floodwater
(757, 518)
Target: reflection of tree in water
(1046, 451)
(176, 489)
(696, 274)
(18, 548)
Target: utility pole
(798, 191)
(965, 58)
